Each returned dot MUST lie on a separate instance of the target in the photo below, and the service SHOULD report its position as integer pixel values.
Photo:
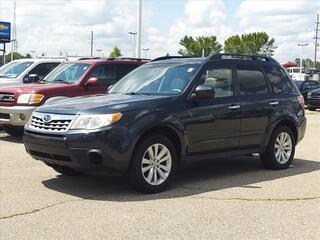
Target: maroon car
(70, 79)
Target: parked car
(172, 111)
(313, 100)
(307, 86)
(26, 71)
(71, 79)
(295, 73)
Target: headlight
(309, 94)
(90, 122)
(30, 98)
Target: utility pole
(316, 44)
(139, 30)
(134, 42)
(91, 44)
(302, 45)
(145, 51)
(14, 42)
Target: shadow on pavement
(9, 138)
(205, 176)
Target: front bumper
(16, 115)
(86, 151)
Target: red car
(70, 79)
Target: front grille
(6, 97)
(54, 123)
(4, 116)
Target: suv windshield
(14, 69)
(67, 73)
(156, 79)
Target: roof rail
(88, 58)
(169, 57)
(129, 58)
(241, 56)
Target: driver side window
(220, 79)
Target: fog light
(22, 117)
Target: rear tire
(12, 130)
(280, 150)
(153, 165)
(64, 170)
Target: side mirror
(92, 82)
(203, 92)
(31, 78)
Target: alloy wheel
(156, 164)
(283, 148)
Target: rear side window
(251, 80)
(124, 69)
(279, 81)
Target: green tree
(194, 47)
(251, 43)
(15, 56)
(116, 52)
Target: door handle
(273, 103)
(233, 107)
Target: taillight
(301, 101)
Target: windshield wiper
(59, 80)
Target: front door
(213, 124)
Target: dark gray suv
(171, 111)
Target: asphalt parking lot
(222, 199)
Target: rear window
(279, 81)
(251, 80)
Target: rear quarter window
(279, 81)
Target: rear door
(258, 104)
(214, 124)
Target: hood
(6, 82)
(316, 92)
(32, 87)
(101, 104)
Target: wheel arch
(167, 130)
(288, 122)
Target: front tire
(153, 165)
(280, 150)
(311, 109)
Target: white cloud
(289, 22)
(52, 26)
(201, 18)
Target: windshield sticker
(190, 70)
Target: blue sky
(54, 26)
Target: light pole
(145, 51)
(134, 42)
(139, 30)
(302, 45)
